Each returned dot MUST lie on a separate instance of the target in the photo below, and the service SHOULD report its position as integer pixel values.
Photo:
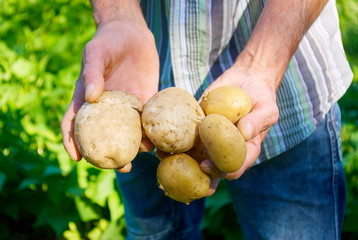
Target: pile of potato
(184, 132)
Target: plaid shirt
(198, 40)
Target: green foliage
(44, 194)
(220, 220)
(350, 154)
(348, 12)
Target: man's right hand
(121, 56)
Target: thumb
(92, 71)
(258, 120)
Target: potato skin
(223, 142)
(181, 178)
(108, 132)
(170, 120)
(229, 101)
(198, 152)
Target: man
(287, 55)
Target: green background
(43, 194)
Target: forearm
(114, 10)
(277, 34)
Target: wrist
(277, 35)
(106, 11)
(269, 69)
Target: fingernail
(89, 90)
(205, 163)
(246, 131)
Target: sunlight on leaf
(22, 68)
(85, 210)
(72, 233)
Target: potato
(229, 101)
(170, 120)
(198, 152)
(108, 132)
(181, 178)
(223, 142)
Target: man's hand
(121, 56)
(255, 125)
(259, 70)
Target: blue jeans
(300, 194)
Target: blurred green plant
(348, 13)
(44, 194)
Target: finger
(213, 186)
(146, 145)
(127, 168)
(67, 124)
(208, 167)
(253, 152)
(203, 96)
(253, 147)
(92, 73)
(258, 120)
(161, 155)
(67, 128)
(215, 84)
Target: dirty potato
(108, 132)
(181, 178)
(223, 142)
(229, 101)
(170, 120)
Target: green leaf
(52, 170)
(96, 232)
(72, 233)
(56, 217)
(219, 209)
(114, 231)
(39, 129)
(85, 210)
(2, 180)
(115, 205)
(103, 187)
(75, 191)
(12, 209)
(22, 68)
(28, 182)
(350, 223)
(218, 200)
